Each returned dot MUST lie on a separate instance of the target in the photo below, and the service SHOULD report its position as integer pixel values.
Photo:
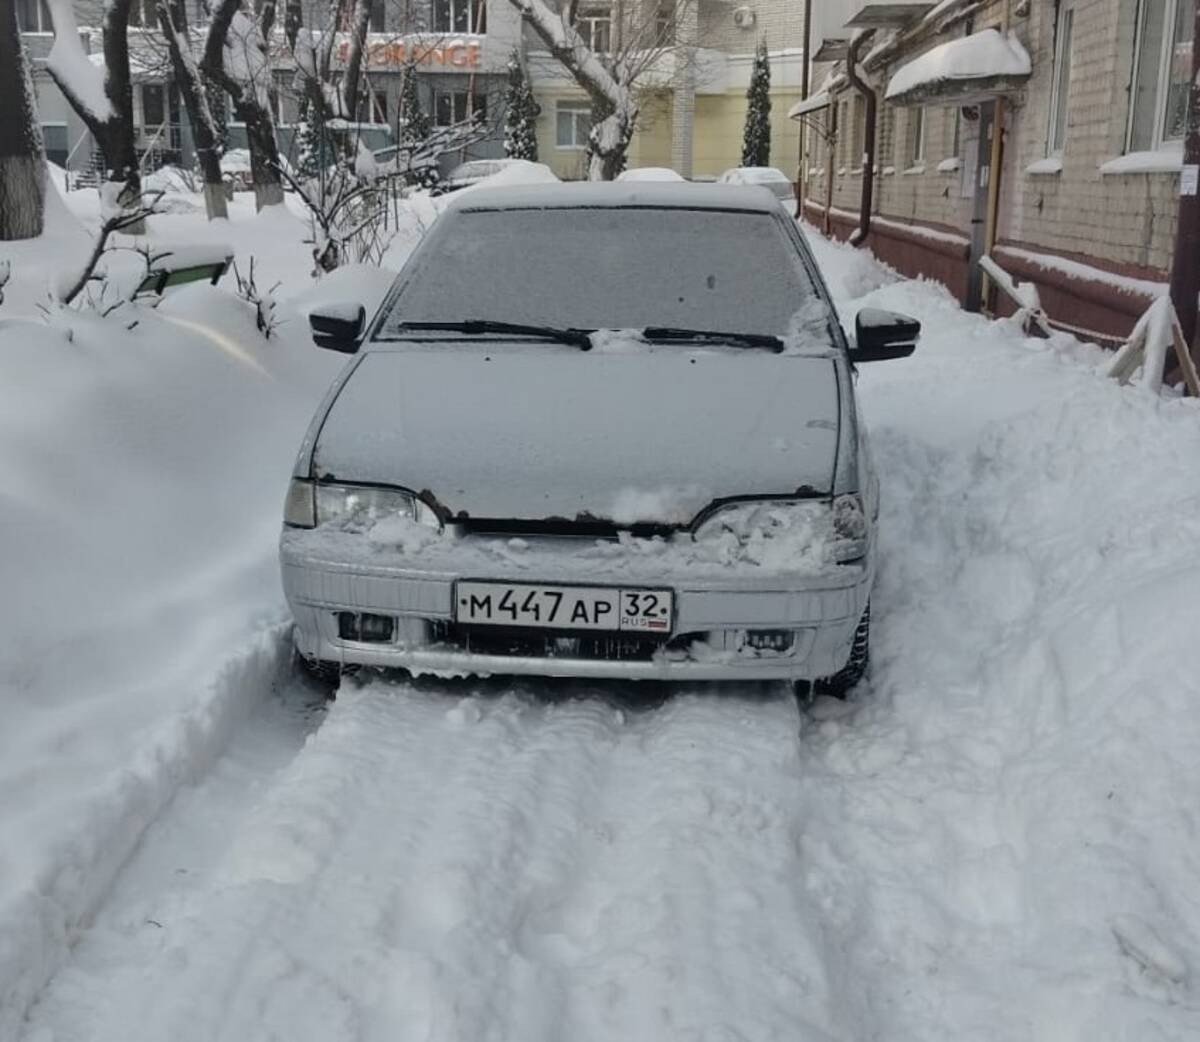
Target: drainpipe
(859, 236)
(802, 162)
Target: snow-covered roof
(613, 194)
(987, 59)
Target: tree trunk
(360, 20)
(22, 158)
(612, 100)
(172, 19)
(124, 175)
(251, 99)
(112, 129)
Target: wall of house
(1118, 223)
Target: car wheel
(326, 673)
(844, 680)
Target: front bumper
(713, 615)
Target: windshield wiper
(712, 336)
(478, 326)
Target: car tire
(845, 679)
(326, 673)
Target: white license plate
(563, 607)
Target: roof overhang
(963, 71)
(882, 14)
(831, 50)
(814, 103)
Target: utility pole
(1185, 268)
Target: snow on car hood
(514, 432)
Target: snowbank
(142, 473)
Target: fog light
(367, 628)
(770, 640)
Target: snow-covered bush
(520, 113)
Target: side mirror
(880, 335)
(338, 327)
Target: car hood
(648, 436)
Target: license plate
(563, 607)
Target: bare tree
(236, 58)
(172, 19)
(102, 98)
(641, 50)
(22, 156)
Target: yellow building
(691, 123)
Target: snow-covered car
(649, 173)
(634, 452)
(769, 177)
(472, 172)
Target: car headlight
(309, 504)
(782, 532)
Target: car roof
(612, 194)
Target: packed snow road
(996, 840)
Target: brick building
(1083, 197)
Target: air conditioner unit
(743, 17)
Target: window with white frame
(454, 106)
(858, 123)
(142, 14)
(460, 16)
(594, 24)
(1162, 71)
(33, 17)
(916, 136)
(572, 124)
(1061, 87)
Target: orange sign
(457, 53)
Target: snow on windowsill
(916, 168)
(888, 171)
(948, 165)
(1164, 161)
(1049, 165)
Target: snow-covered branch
(81, 81)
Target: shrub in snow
(756, 138)
(520, 113)
(263, 303)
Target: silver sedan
(593, 431)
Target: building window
(858, 121)
(664, 25)
(916, 136)
(142, 14)
(154, 106)
(1061, 88)
(33, 17)
(595, 26)
(572, 124)
(452, 106)
(1162, 70)
(376, 21)
(460, 16)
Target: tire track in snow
(481, 869)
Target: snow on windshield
(614, 268)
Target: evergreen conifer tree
(520, 114)
(756, 140)
(413, 123)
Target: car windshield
(607, 268)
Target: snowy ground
(997, 840)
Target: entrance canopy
(813, 103)
(963, 71)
